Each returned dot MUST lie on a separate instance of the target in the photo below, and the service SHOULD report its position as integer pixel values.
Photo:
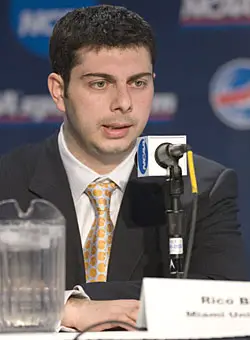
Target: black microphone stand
(174, 190)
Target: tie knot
(100, 193)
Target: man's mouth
(117, 126)
(116, 130)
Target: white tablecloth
(71, 336)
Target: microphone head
(168, 154)
(162, 156)
(146, 160)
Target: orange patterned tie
(98, 243)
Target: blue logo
(143, 156)
(229, 94)
(33, 20)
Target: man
(103, 81)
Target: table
(71, 336)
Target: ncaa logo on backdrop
(213, 13)
(229, 94)
(33, 20)
(142, 155)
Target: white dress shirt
(80, 176)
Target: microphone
(154, 151)
(168, 154)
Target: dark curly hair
(96, 27)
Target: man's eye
(140, 83)
(99, 84)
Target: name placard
(191, 309)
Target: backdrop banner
(202, 77)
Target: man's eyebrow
(111, 78)
(106, 76)
(140, 75)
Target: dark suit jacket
(140, 242)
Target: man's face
(109, 99)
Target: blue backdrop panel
(203, 76)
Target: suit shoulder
(209, 173)
(21, 156)
(206, 165)
(18, 167)
(23, 159)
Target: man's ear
(56, 89)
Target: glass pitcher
(32, 267)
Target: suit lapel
(50, 183)
(142, 208)
(125, 251)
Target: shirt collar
(80, 176)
